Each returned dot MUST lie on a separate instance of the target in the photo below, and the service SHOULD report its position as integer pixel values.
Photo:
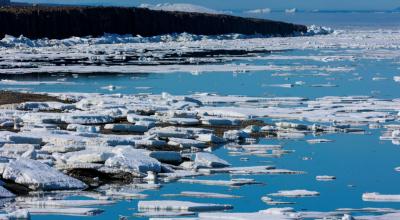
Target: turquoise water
(361, 163)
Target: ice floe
(377, 197)
(174, 205)
(295, 193)
(36, 175)
(203, 195)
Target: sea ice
(38, 176)
(173, 205)
(295, 193)
(377, 197)
(204, 159)
(232, 182)
(204, 195)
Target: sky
(250, 4)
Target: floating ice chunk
(377, 197)
(214, 121)
(291, 10)
(204, 195)
(268, 214)
(234, 135)
(318, 30)
(174, 205)
(325, 178)
(84, 128)
(391, 216)
(251, 170)
(326, 85)
(147, 186)
(204, 159)
(63, 203)
(4, 193)
(177, 174)
(182, 114)
(18, 214)
(125, 194)
(78, 165)
(153, 214)
(268, 128)
(86, 119)
(133, 160)
(39, 176)
(396, 134)
(24, 139)
(133, 118)
(183, 121)
(252, 129)
(42, 117)
(255, 147)
(288, 125)
(89, 156)
(169, 132)
(17, 150)
(290, 135)
(45, 106)
(295, 193)
(282, 85)
(186, 143)
(50, 148)
(65, 211)
(210, 138)
(319, 141)
(270, 201)
(379, 78)
(232, 182)
(368, 210)
(126, 128)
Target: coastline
(65, 21)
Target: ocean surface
(361, 162)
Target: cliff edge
(63, 22)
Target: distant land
(58, 22)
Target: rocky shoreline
(63, 22)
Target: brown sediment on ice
(10, 97)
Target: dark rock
(62, 22)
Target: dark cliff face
(63, 22)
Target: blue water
(251, 84)
(361, 163)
